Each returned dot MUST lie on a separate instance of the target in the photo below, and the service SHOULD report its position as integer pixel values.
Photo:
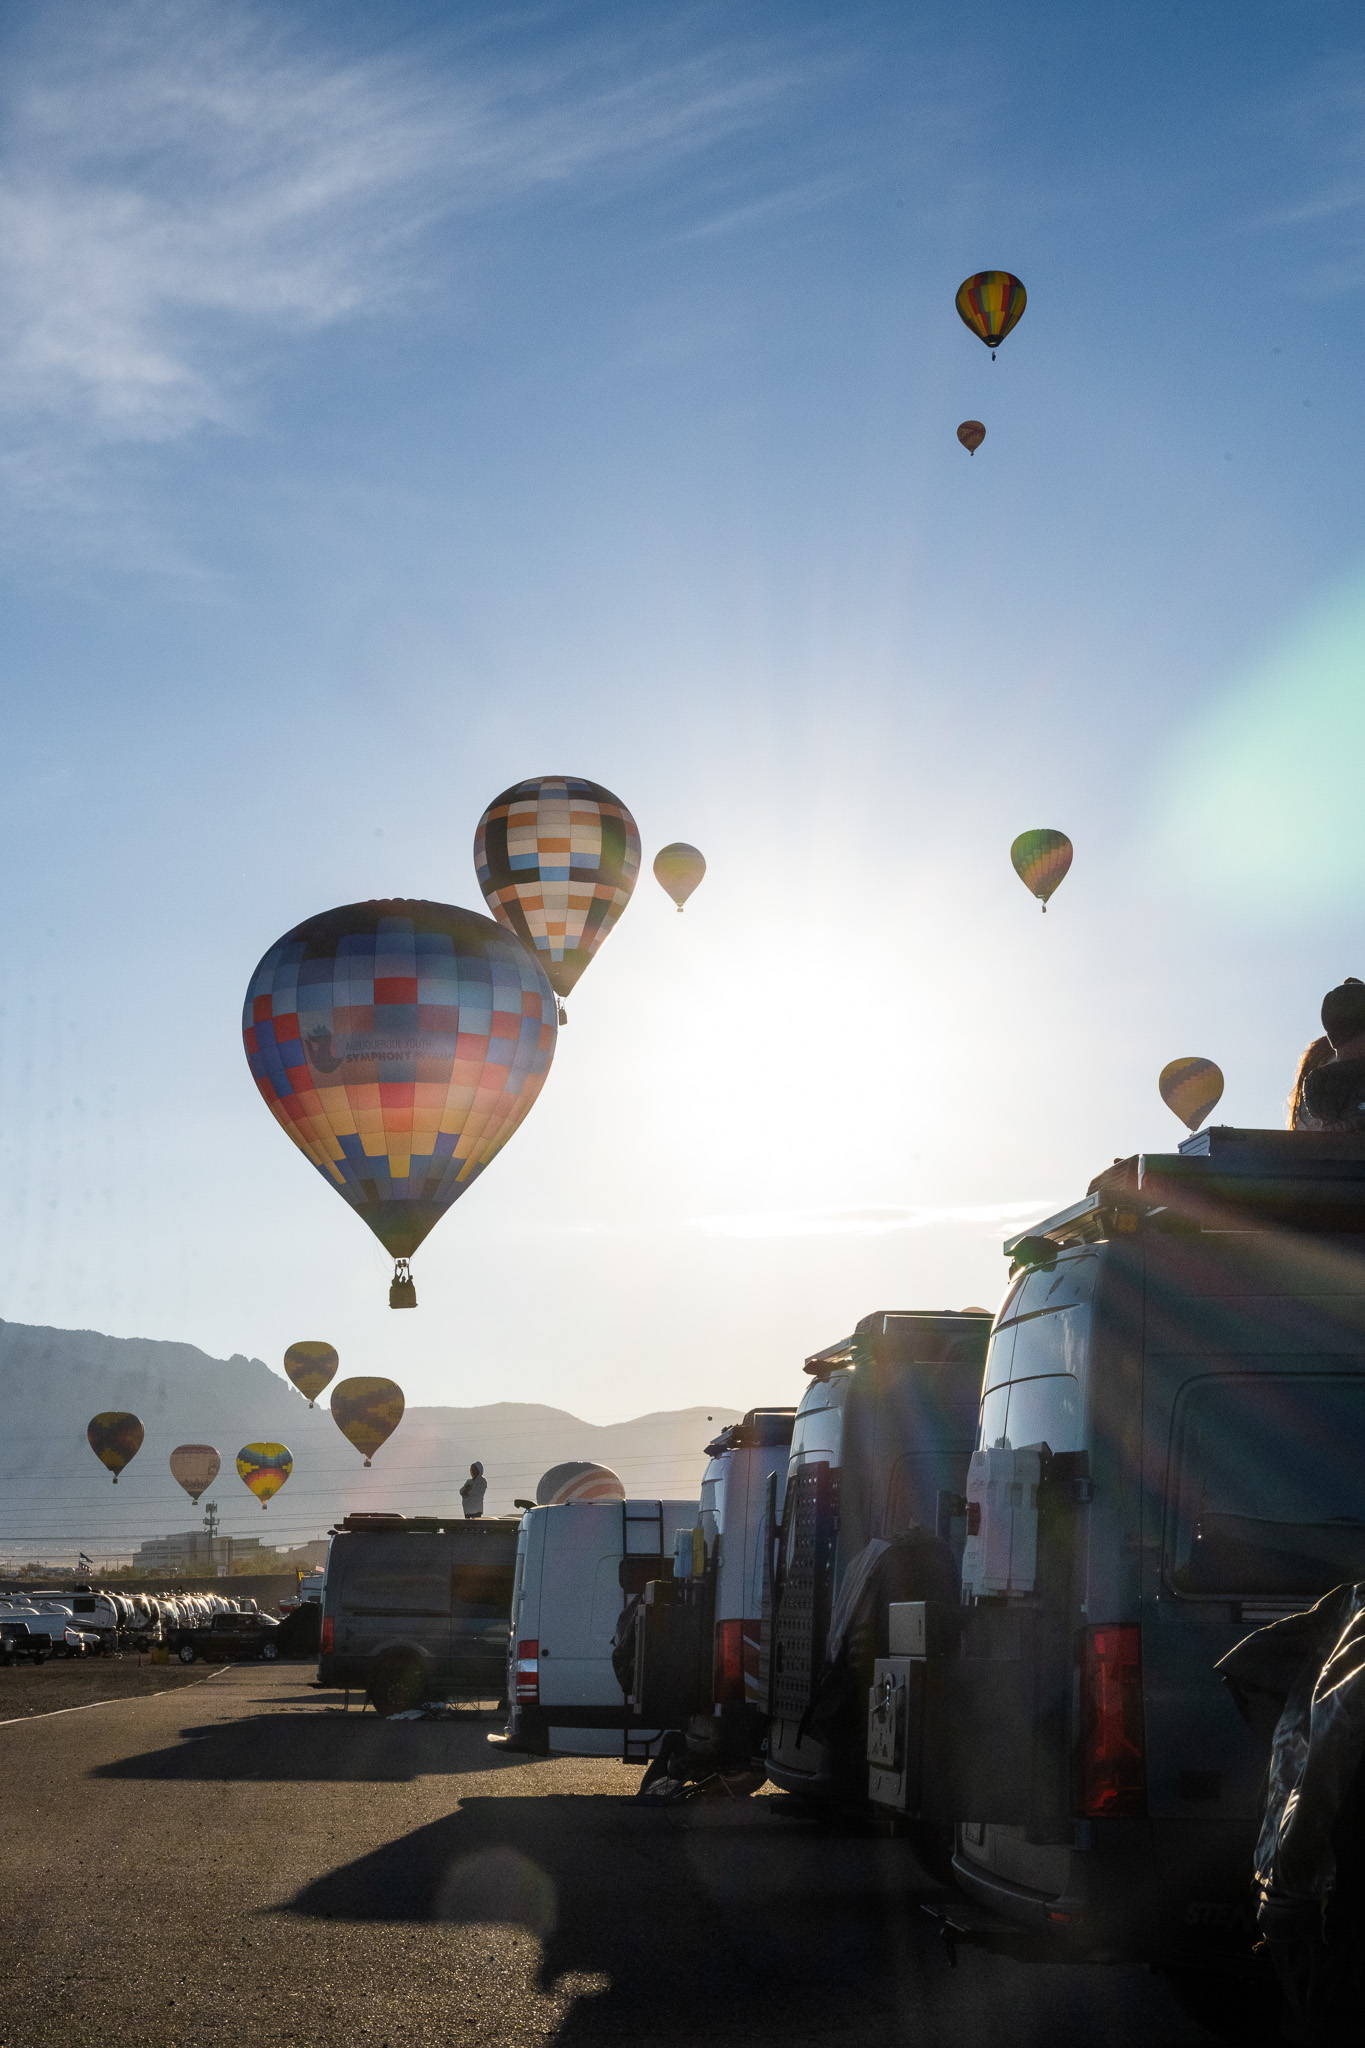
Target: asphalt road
(238, 1861)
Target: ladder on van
(642, 1538)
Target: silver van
(1171, 1452)
(417, 1606)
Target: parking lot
(238, 1859)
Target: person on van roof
(1329, 1090)
(472, 1493)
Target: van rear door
(1254, 1484)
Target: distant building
(194, 1551)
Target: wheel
(396, 1683)
(186, 1653)
(269, 1652)
(41, 1656)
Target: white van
(577, 1565)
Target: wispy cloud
(872, 1222)
(183, 187)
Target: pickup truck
(229, 1637)
(17, 1640)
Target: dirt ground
(78, 1682)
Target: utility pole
(211, 1524)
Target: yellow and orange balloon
(115, 1437)
(367, 1412)
(264, 1468)
(1192, 1088)
(991, 303)
(310, 1364)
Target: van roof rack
(896, 1336)
(404, 1525)
(758, 1427)
(1221, 1179)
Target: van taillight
(527, 1673)
(329, 1632)
(1112, 1769)
(729, 1668)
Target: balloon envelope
(115, 1437)
(1041, 860)
(1191, 1087)
(678, 869)
(310, 1364)
(399, 1044)
(195, 1467)
(557, 858)
(971, 434)
(577, 1480)
(991, 302)
(367, 1412)
(264, 1468)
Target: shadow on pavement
(725, 1926)
(354, 1747)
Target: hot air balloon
(557, 859)
(578, 1480)
(1191, 1087)
(971, 434)
(367, 1412)
(1041, 860)
(195, 1467)
(115, 1437)
(991, 302)
(310, 1365)
(399, 1044)
(264, 1468)
(678, 869)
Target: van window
(399, 1592)
(993, 1411)
(1046, 1411)
(481, 1590)
(1267, 1484)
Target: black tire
(397, 1683)
(269, 1652)
(187, 1653)
(41, 1656)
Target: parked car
(19, 1643)
(416, 1607)
(230, 1637)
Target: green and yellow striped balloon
(1041, 859)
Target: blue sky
(396, 402)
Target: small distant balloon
(991, 302)
(971, 434)
(367, 1412)
(195, 1467)
(1041, 860)
(1192, 1088)
(115, 1437)
(310, 1364)
(264, 1468)
(678, 869)
(578, 1480)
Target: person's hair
(1343, 1011)
(1314, 1056)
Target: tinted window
(1267, 1484)
(399, 1592)
(993, 1411)
(1046, 1411)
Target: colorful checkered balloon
(399, 1044)
(557, 859)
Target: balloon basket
(402, 1287)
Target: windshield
(1267, 1491)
